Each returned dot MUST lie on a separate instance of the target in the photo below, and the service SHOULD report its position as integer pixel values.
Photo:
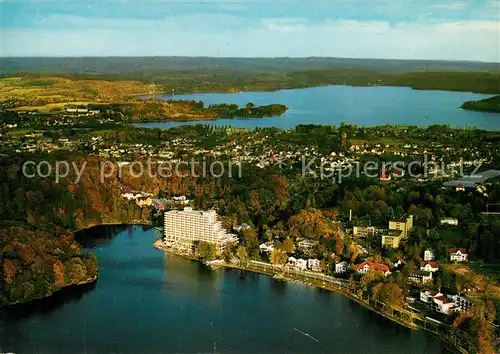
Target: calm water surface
(366, 106)
(149, 302)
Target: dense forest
(260, 74)
(491, 104)
(249, 111)
(37, 219)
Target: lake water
(148, 302)
(366, 106)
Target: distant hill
(203, 74)
(123, 65)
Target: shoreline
(229, 91)
(112, 223)
(84, 282)
(88, 281)
(281, 275)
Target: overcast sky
(399, 29)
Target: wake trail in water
(306, 334)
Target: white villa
(449, 221)
(429, 266)
(341, 267)
(429, 255)
(301, 264)
(267, 247)
(314, 264)
(458, 255)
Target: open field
(54, 92)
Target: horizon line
(232, 57)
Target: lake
(366, 106)
(146, 301)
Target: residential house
(182, 200)
(385, 176)
(314, 264)
(341, 267)
(144, 202)
(241, 227)
(301, 264)
(449, 221)
(429, 266)
(398, 173)
(366, 266)
(427, 296)
(443, 304)
(306, 244)
(429, 255)
(458, 255)
(267, 247)
(420, 277)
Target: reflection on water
(48, 304)
(99, 236)
(190, 277)
(147, 301)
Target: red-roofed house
(458, 255)
(443, 304)
(429, 266)
(428, 295)
(439, 301)
(398, 173)
(385, 176)
(365, 267)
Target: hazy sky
(423, 29)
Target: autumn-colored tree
(242, 253)
(75, 271)
(9, 270)
(311, 224)
(59, 272)
(478, 323)
(91, 265)
(390, 294)
(278, 257)
(288, 246)
(206, 251)
(28, 254)
(371, 277)
(250, 237)
(255, 201)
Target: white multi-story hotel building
(184, 229)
